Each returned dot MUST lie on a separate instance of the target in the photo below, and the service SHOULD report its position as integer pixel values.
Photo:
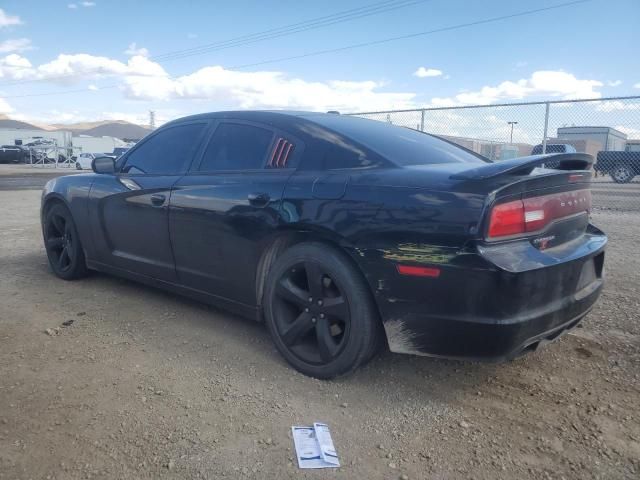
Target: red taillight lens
(535, 213)
(507, 219)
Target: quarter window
(168, 152)
(236, 147)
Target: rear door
(129, 209)
(226, 208)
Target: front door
(129, 209)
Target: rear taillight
(530, 215)
(507, 219)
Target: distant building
(509, 151)
(61, 141)
(609, 138)
(21, 136)
(633, 146)
(104, 144)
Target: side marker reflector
(418, 271)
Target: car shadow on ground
(106, 297)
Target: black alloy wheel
(312, 315)
(319, 311)
(62, 243)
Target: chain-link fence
(607, 128)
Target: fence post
(422, 121)
(546, 128)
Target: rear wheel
(622, 174)
(319, 311)
(62, 244)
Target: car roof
(256, 115)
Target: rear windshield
(400, 145)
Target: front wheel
(319, 311)
(622, 174)
(62, 243)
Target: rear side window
(236, 147)
(400, 145)
(168, 152)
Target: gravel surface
(104, 378)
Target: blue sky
(47, 47)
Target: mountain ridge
(111, 128)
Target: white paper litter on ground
(310, 452)
(327, 450)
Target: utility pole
(152, 119)
(511, 137)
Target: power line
(357, 45)
(411, 35)
(311, 24)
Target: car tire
(622, 174)
(62, 243)
(319, 311)
(78, 166)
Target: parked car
(342, 234)
(12, 154)
(621, 165)
(84, 160)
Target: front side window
(236, 147)
(168, 152)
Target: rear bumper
(486, 339)
(478, 309)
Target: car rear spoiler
(525, 165)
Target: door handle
(258, 199)
(157, 199)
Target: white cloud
(92, 87)
(616, 105)
(5, 107)
(7, 20)
(614, 83)
(143, 79)
(133, 50)
(427, 72)
(15, 45)
(16, 67)
(264, 89)
(543, 83)
(67, 69)
(637, 85)
(632, 133)
(74, 6)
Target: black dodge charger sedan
(342, 234)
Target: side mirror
(103, 165)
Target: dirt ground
(143, 384)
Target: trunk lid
(549, 207)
